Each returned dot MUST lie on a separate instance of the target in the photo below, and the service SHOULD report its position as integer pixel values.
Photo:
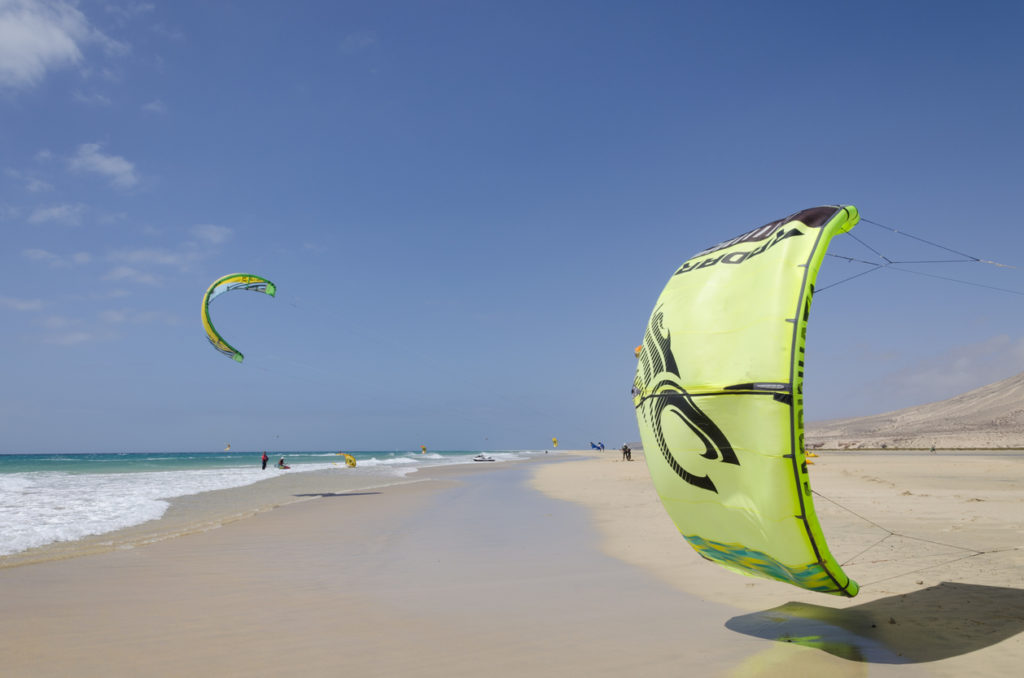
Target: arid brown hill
(988, 417)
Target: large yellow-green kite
(235, 281)
(719, 401)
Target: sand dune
(988, 417)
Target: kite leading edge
(719, 401)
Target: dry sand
(473, 573)
(935, 540)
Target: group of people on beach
(627, 454)
(265, 459)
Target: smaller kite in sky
(235, 281)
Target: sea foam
(41, 508)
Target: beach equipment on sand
(228, 283)
(719, 401)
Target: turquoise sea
(135, 462)
(50, 498)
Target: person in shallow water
(280, 463)
(265, 459)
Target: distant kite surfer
(265, 459)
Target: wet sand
(472, 573)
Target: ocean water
(48, 498)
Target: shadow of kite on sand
(935, 623)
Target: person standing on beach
(265, 460)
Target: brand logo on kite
(669, 401)
(738, 257)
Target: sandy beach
(935, 540)
(468, 573)
(473, 571)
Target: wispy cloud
(42, 256)
(123, 12)
(154, 257)
(168, 32)
(131, 274)
(211, 233)
(89, 158)
(38, 185)
(111, 217)
(69, 338)
(358, 41)
(38, 36)
(128, 316)
(114, 317)
(155, 106)
(147, 265)
(57, 322)
(94, 99)
(63, 214)
(110, 294)
(15, 304)
(955, 371)
(32, 183)
(56, 260)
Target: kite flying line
(884, 262)
(966, 551)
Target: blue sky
(469, 209)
